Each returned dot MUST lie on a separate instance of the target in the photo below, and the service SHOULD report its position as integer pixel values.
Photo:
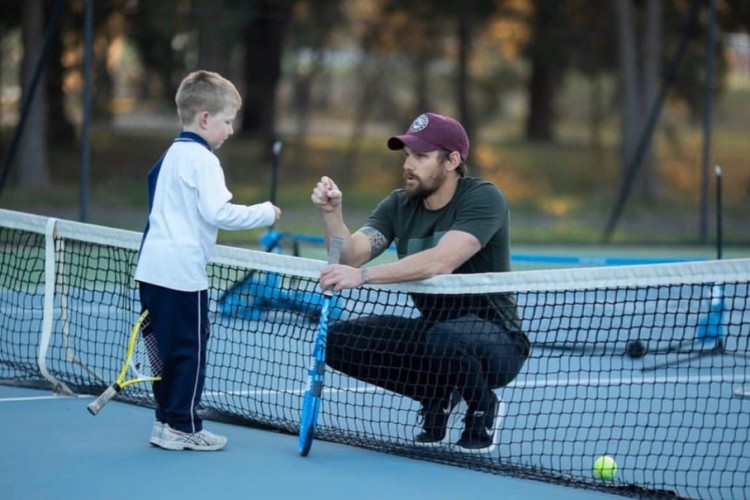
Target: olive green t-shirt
(479, 208)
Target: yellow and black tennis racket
(142, 363)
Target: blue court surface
(670, 415)
(53, 449)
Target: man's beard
(422, 190)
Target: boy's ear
(203, 119)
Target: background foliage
(554, 93)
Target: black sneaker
(435, 421)
(480, 426)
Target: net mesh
(664, 408)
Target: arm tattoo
(378, 242)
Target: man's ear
(454, 158)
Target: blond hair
(205, 91)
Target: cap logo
(419, 124)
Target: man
(442, 222)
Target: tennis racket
(142, 363)
(316, 373)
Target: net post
(50, 271)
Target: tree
(158, 30)
(33, 171)
(215, 34)
(61, 130)
(548, 63)
(311, 34)
(264, 31)
(630, 82)
(652, 70)
(10, 19)
(640, 72)
(432, 21)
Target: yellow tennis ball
(605, 467)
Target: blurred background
(602, 121)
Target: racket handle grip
(96, 405)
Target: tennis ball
(605, 467)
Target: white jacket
(189, 203)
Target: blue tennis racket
(316, 373)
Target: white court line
(296, 392)
(523, 384)
(702, 379)
(41, 398)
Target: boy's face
(217, 128)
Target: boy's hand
(277, 212)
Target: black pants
(179, 321)
(426, 361)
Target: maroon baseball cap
(431, 131)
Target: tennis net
(667, 415)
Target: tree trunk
(370, 75)
(421, 84)
(62, 132)
(103, 85)
(2, 70)
(628, 84)
(264, 34)
(213, 54)
(650, 186)
(465, 114)
(596, 121)
(539, 124)
(33, 168)
(548, 61)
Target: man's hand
(339, 277)
(326, 195)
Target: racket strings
(146, 361)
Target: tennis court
(669, 417)
(52, 448)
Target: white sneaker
(172, 439)
(156, 433)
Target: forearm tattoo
(378, 242)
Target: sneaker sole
(181, 446)
(187, 446)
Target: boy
(188, 203)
